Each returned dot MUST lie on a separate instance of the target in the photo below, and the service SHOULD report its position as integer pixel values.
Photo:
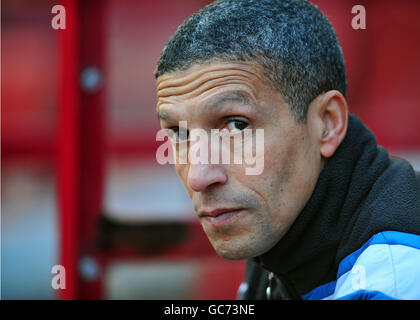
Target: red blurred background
(80, 184)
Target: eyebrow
(233, 96)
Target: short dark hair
(292, 40)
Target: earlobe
(334, 115)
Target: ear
(331, 110)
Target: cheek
(285, 176)
(182, 171)
(299, 172)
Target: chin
(234, 253)
(231, 256)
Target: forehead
(242, 79)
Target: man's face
(243, 215)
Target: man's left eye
(236, 125)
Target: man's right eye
(178, 134)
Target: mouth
(219, 217)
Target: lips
(217, 212)
(218, 217)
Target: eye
(178, 134)
(236, 125)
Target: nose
(202, 176)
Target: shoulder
(385, 267)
